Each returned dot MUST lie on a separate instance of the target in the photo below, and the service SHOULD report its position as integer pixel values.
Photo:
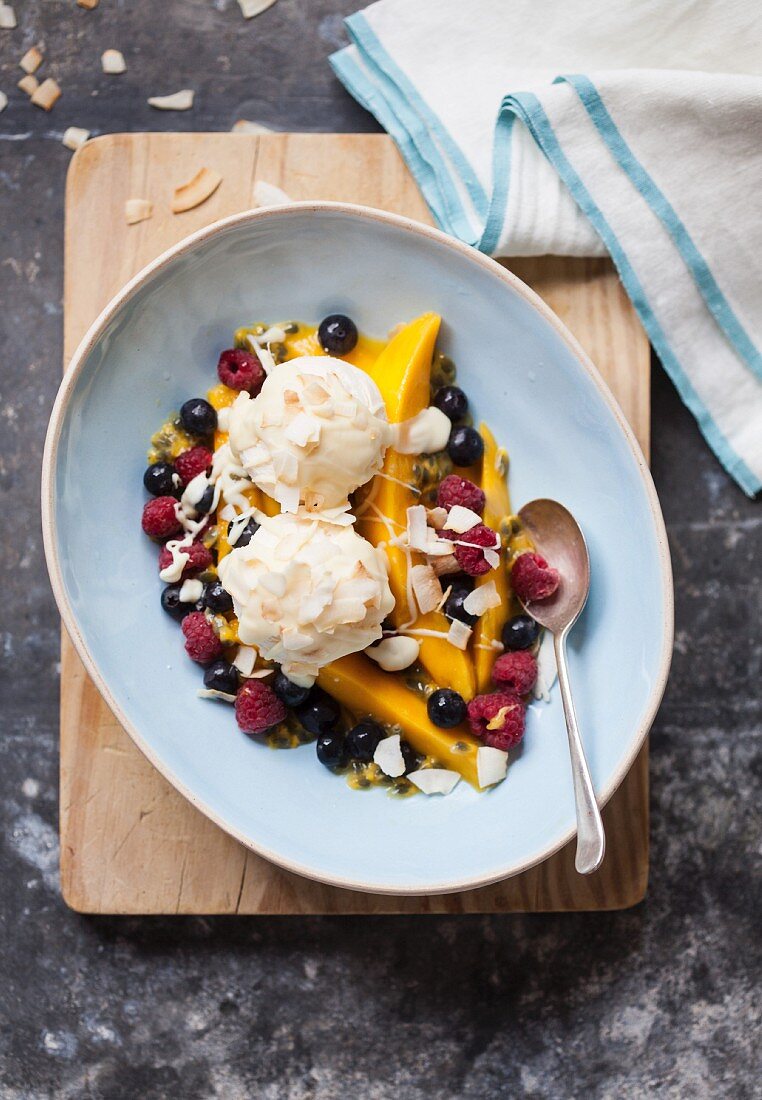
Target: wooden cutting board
(129, 842)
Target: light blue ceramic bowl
(157, 344)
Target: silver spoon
(557, 538)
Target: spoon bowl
(557, 537)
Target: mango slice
(364, 689)
(489, 626)
(402, 372)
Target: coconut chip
(112, 61)
(137, 210)
(459, 634)
(7, 17)
(3, 101)
(267, 194)
(245, 659)
(417, 528)
(178, 101)
(31, 60)
(47, 94)
(491, 765)
(89, 4)
(191, 194)
(437, 518)
(28, 84)
(462, 519)
(427, 589)
(434, 780)
(74, 137)
(388, 756)
(212, 693)
(250, 8)
(482, 599)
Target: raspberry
(505, 711)
(193, 462)
(515, 672)
(257, 707)
(159, 518)
(458, 490)
(201, 643)
(199, 559)
(532, 578)
(470, 557)
(240, 370)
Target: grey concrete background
(658, 1001)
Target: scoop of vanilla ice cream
(316, 432)
(307, 592)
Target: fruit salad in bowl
(336, 540)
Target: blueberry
(287, 691)
(221, 676)
(413, 760)
(198, 417)
(331, 749)
(217, 599)
(247, 534)
(362, 741)
(520, 632)
(453, 607)
(207, 500)
(170, 601)
(319, 713)
(446, 708)
(452, 402)
(162, 480)
(337, 334)
(465, 446)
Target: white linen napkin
(582, 128)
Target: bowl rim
(50, 541)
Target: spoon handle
(591, 839)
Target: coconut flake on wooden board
(47, 95)
(31, 60)
(3, 101)
(7, 17)
(197, 190)
(244, 126)
(137, 210)
(250, 8)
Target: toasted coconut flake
(3, 101)
(427, 589)
(482, 599)
(137, 210)
(47, 94)
(31, 60)
(434, 780)
(313, 501)
(491, 557)
(178, 101)
(191, 194)
(28, 84)
(459, 634)
(388, 756)
(267, 194)
(250, 8)
(245, 659)
(417, 528)
(444, 598)
(89, 4)
(243, 126)
(112, 61)
(7, 17)
(74, 137)
(212, 693)
(445, 565)
(462, 519)
(491, 765)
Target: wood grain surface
(129, 842)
